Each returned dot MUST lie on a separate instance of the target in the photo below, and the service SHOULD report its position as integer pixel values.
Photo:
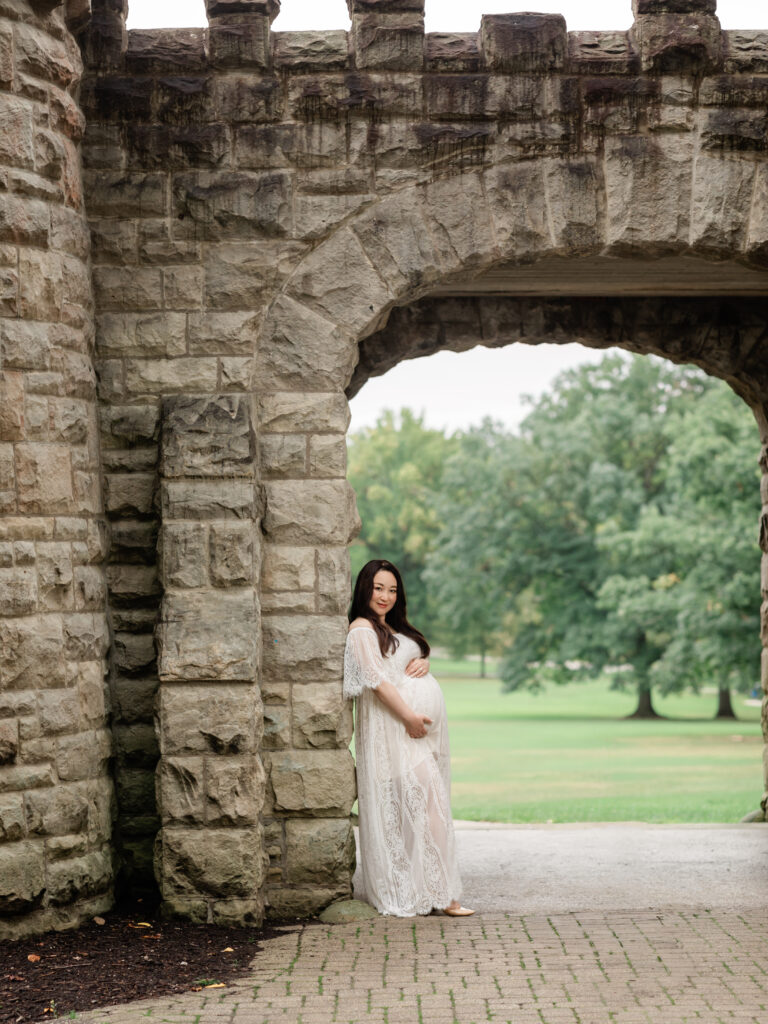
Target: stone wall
(56, 800)
(269, 211)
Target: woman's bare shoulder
(360, 623)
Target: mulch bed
(132, 955)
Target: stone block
(125, 195)
(328, 456)
(91, 688)
(133, 653)
(240, 43)
(183, 555)
(240, 276)
(208, 499)
(208, 719)
(320, 852)
(149, 334)
(18, 590)
(678, 42)
(9, 740)
(17, 777)
(192, 643)
(59, 711)
(129, 494)
(32, 653)
(303, 647)
(718, 226)
(310, 512)
(181, 790)
(129, 583)
(12, 407)
(240, 99)
(311, 50)
(296, 602)
(339, 283)
(313, 782)
(391, 41)
(183, 287)
(220, 205)
(234, 792)
(44, 478)
(131, 423)
(22, 877)
(277, 726)
(231, 554)
(90, 588)
(24, 221)
(134, 699)
(459, 219)
(70, 879)
(85, 756)
(86, 636)
(12, 820)
(643, 7)
(283, 456)
(142, 289)
(238, 913)
(58, 811)
(207, 437)
(219, 863)
(298, 412)
(145, 377)
(513, 43)
(285, 904)
(288, 568)
(223, 333)
(321, 717)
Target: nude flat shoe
(458, 911)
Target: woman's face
(384, 593)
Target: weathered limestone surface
(274, 218)
(210, 780)
(56, 793)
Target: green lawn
(569, 755)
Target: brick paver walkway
(614, 967)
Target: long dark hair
(395, 618)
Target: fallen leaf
(228, 950)
(33, 958)
(99, 920)
(218, 984)
(143, 924)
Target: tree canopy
(615, 532)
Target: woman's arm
(415, 724)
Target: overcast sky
(455, 390)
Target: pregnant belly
(425, 696)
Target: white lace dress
(407, 847)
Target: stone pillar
(387, 35)
(239, 32)
(309, 520)
(677, 35)
(55, 792)
(210, 781)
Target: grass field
(568, 754)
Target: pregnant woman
(407, 847)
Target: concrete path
(579, 925)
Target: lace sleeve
(363, 662)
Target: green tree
(395, 468)
(687, 577)
(461, 571)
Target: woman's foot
(456, 910)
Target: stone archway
(264, 208)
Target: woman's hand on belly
(417, 667)
(416, 725)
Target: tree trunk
(482, 663)
(645, 708)
(724, 706)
